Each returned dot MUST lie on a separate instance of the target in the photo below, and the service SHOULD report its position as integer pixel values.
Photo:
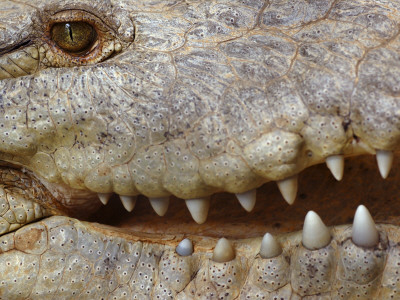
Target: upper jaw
(139, 123)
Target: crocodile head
(186, 105)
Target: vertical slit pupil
(76, 38)
(68, 27)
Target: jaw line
(334, 201)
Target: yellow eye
(76, 38)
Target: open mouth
(226, 255)
(334, 201)
(199, 149)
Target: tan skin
(334, 201)
(362, 184)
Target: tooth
(269, 247)
(385, 160)
(185, 248)
(315, 234)
(198, 208)
(335, 163)
(104, 197)
(288, 188)
(128, 202)
(364, 233)
(223, 251)
(160, 205)
(247, 199)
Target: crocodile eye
(76, 38)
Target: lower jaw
(339, 270)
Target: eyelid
(106, 43)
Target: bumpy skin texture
(62, 257)
(223, 97)
(190, 98)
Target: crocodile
(112, 109)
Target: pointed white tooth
(384, 159)
(335, 164)
(185, 248)
(223, 251)
(128, 202)
(160, 205)
(364, 233)
(270, 248)
(198, 208)
(315, 234)
(288, 188)
(247, 199)
(104, 197)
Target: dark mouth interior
(334, 201)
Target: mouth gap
(334, 201)
(15, 47)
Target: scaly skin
(189, 99)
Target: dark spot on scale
(346, 124)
